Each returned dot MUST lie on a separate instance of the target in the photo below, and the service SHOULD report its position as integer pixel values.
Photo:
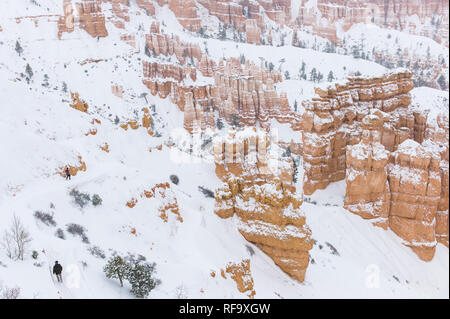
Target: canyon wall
(259, 192)
(325, 16)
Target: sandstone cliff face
(162, 44)
(186, 13)
(333, 120)
(394, 161)
(89, 17)
(367, 191)
(233, 12)
(263, 199)
(415, 185)
(437, 137)
(325, 16)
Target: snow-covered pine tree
(117, 268)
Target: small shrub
(250, 250)
(60, 233)
(97, 252)
(78, 230)
(174, 179)
(34, 254)
(45, 218)
(81, 199)
(181, 292)
(9, 293)
(96, 200)
(332, 248)
(208, 193)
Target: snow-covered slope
(40, 133)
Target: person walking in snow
(57, 270)
(67, 173)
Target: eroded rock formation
(393, 158)
(415, 185)
(333, 120)
(260, 194)
(324, 16)
(367, 191)
(89, 17)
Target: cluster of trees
(136, 271)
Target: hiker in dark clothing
(67, 173)
(57, 270)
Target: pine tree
(29, 72)
(441, 82)
(117, 268)
(295, 106)
(140, 278)
(313, 75)
(287, 76)
(330, 76)
(319, 77)
(45, 84)
(19, 49)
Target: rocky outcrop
(252, 32)
(415, 185)
(162, 44)
(241, 274)
(89, 17)
(437, 137)
(332, 121)
(78, 103)
(165, 197)
(367, 191)
(262, 198)
(236, 12)
(73, 169)
(325, 16)
(186, 13)
(393, 158)
(147, 5)
(243, 95)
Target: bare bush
(97, 252)
(81, 199)
(46, 218)
(78, 230)
(9, 293)
(60, 233)
(16, 240)
(181, 292)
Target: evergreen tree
(287, 76)
(330, 76)
(19, 49)
(45, 84)
(295, 106)
(147, 51)
(29, 72)
(64, 87)
(117, 268)
(140, 278)
(319, 77)
(442, 83)
(313, 75)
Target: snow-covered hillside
(40, 133)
